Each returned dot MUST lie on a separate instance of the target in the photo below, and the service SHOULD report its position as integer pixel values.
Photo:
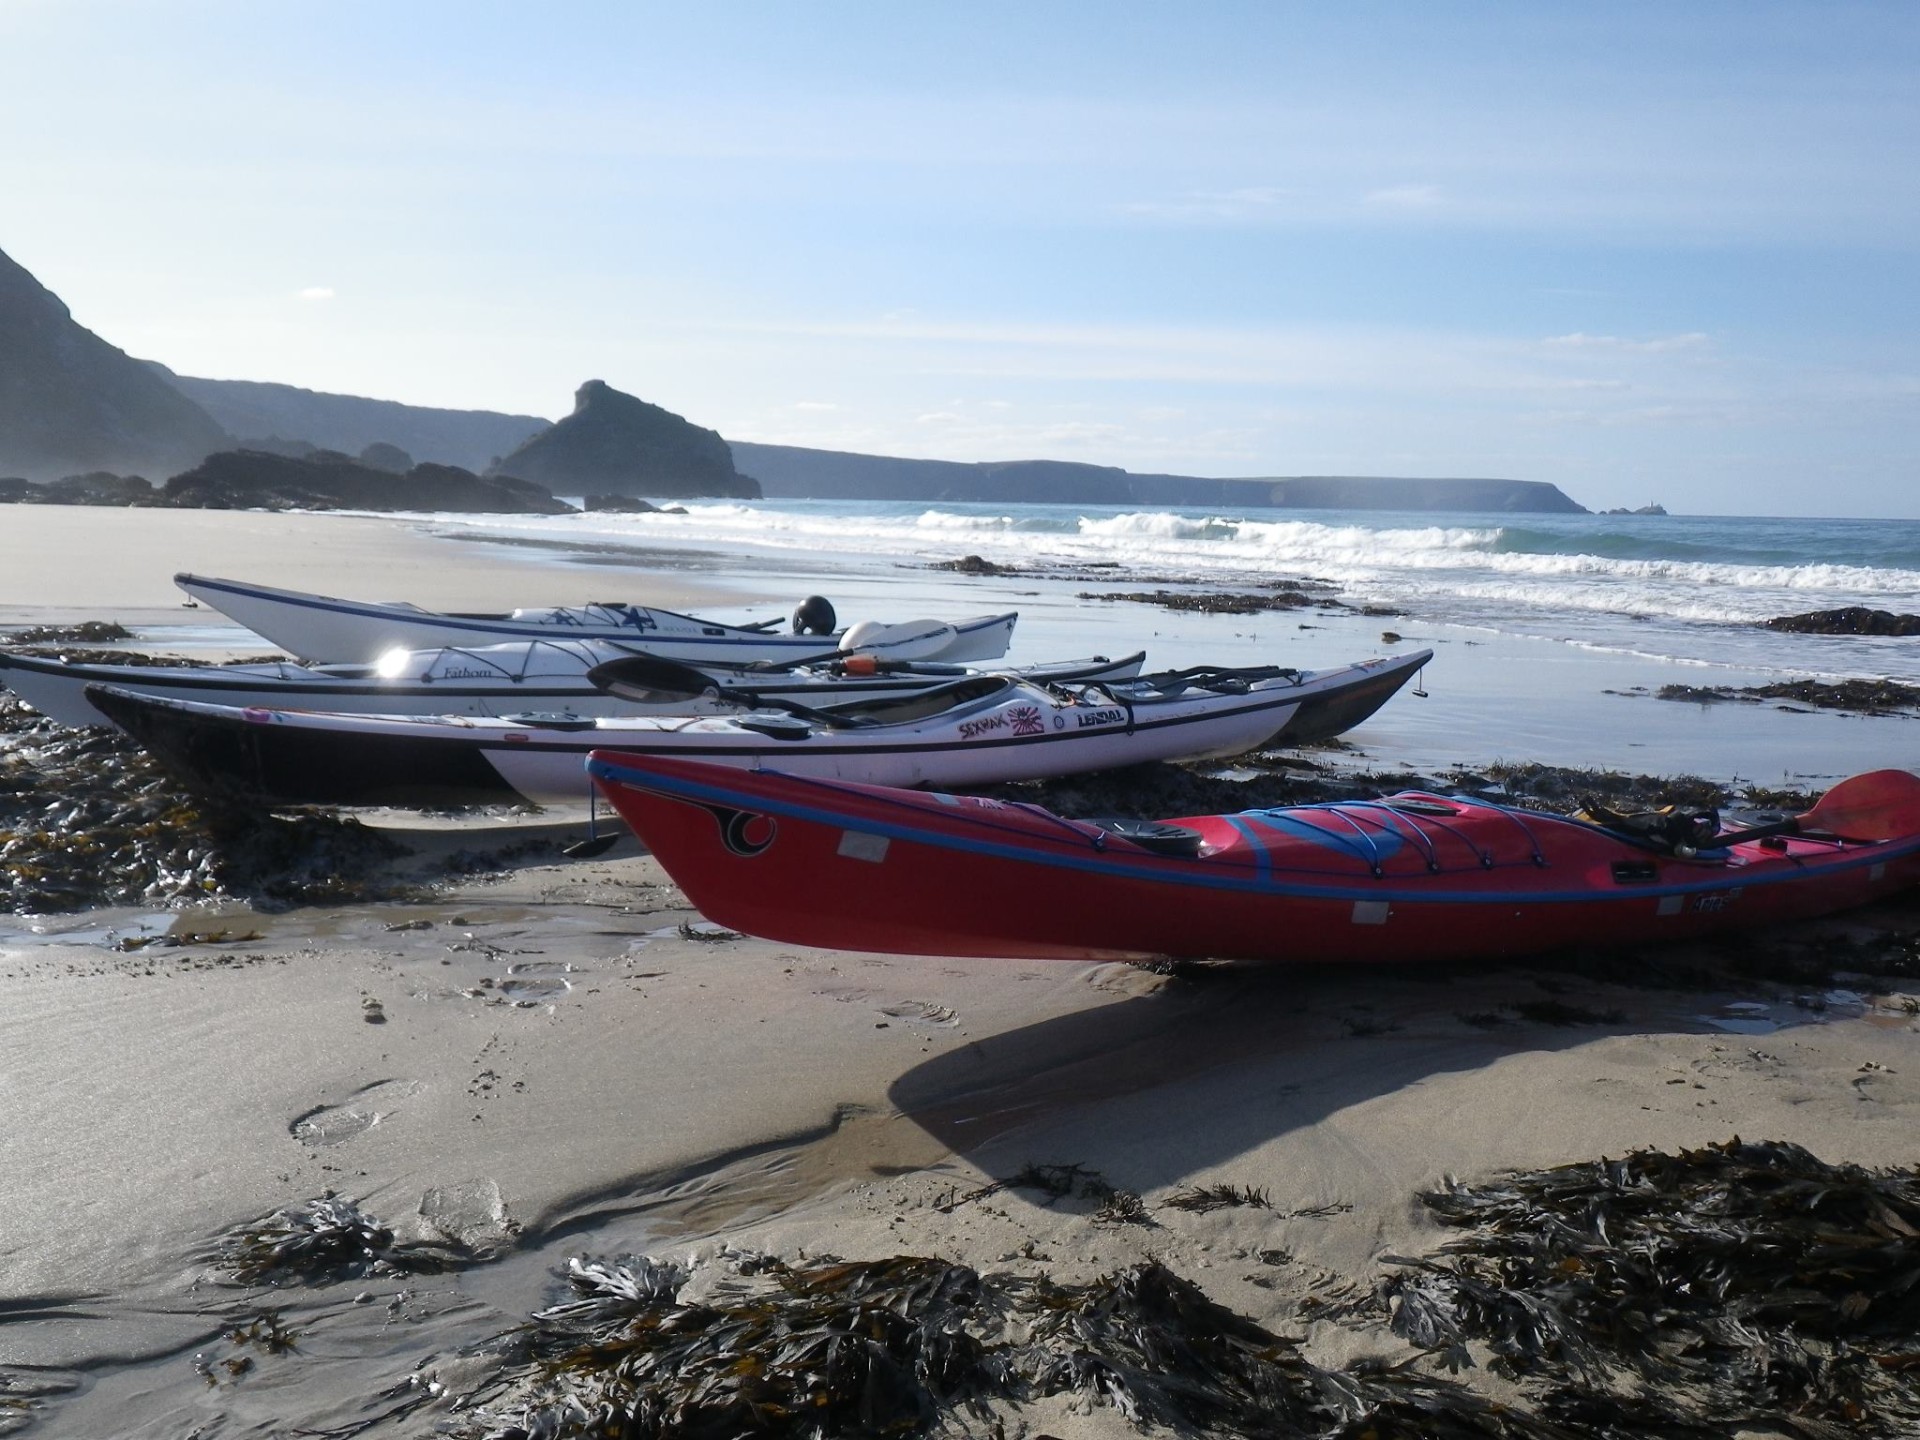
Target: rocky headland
(616, 444)
(789, 471)
(71, 403)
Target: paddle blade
(1879, 805)
(591, 846)
(649, 679)
(909, 640)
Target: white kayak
(566, 676)
(980, 730)
(327, 629)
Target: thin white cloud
(1247, 202)
(1406, 197)
(317, 292)
(814, 405)
(1691, 340)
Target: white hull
(549, 773)
(537, 676)
(327, 629)
(983, 730)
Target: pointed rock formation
(615, 444)
(71, 402)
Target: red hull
(1416, 877)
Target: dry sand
(62, 563)
(554, 1068)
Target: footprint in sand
(536, 981)
(367, 1107)
(924, 1011)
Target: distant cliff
(73, 405)
(791, 472)
(256, 410)
(615, 444)
(70, 402)
(1392, 492)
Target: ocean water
(1674, 587)
(1551, 632)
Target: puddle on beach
(131, 930)
(1764, 1017)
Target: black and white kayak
(982, 729)
(571, 677)
(326, 629)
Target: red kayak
(1408, 877)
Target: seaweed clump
(1059, 1182)
(1559, 788)
(973, 565)
(1203, 1198)
(88, 819)
(1209, 602)
(324, 1240)
(905, 1346)
(1866, 697)
(1749, 1284)
(88, 632)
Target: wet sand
(536, 1061)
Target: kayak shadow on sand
(1216, 1059)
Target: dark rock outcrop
(619, 504)
(98, 488)
(615, 444)
(101, 487)
(788, 471)
(255, 410)
(391, 458)
(1850, 620)
(973, 565)
(70, 402)
(253, 479)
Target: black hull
(1324, 716)
(266, 764)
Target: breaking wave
(1683, 568)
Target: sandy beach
(541, 1059)
(66, 563)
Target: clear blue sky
(1647, 252)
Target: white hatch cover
(860, 845)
